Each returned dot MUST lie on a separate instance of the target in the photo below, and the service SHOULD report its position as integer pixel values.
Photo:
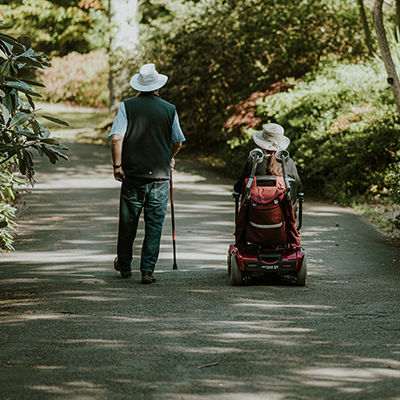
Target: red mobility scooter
(266, 231)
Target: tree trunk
(393, 79)
(123, 47)
(397, 19)
(367, 32)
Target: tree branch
(393, 79)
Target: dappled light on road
(71, 328)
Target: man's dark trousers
(135, 196)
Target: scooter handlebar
(257, 155)
(282, 155)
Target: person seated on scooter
(270, 139)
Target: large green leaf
(5, 68)
(28, 134)
(39, 150)
(6, 48)
(22, 166)
(33, 83)
(53, 119)
(16, 99)
(15, 43)
(19, 119)
(62, 155)
(45, 133)
(27, 53)
(14, 68)
(7, 102)
(26, 41)
(61, 145)
(36, 127)
(30, 61)
(52, 157)
(23, 87)
(17, 149)
(27, 156)
(6, 114)
(30, 100)
(6, 149)
(50, 141)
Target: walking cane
(173, 223)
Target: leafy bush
(343, 127)
(393, 180)
(7, 210)
(59, 27)
(227, 50)
(20, 131)
(80, 79)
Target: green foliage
(154, 11)
(80, 79)
(396, 222)
(224, 50)
(59, 27)
(20, 131)
(393, 180)
(7, 210)
(343, 129)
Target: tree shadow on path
(72, 328)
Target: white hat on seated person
(148, 79)
(271, 137)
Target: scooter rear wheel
(302, 274)
(236, 276)
(228, 260)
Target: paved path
(71, 328)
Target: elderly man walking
(146, 136)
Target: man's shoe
(124, 274)
(148, 277)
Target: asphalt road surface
(71, 328)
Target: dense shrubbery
(7, 210)
(58, 27)
(225, 50)
(80, 79)
(343, 127)
(21, 133)
(393, 180)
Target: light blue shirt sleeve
(120, 126)
(177, 134)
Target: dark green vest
(146, 150)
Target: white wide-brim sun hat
(148, 79)
(271, 138)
